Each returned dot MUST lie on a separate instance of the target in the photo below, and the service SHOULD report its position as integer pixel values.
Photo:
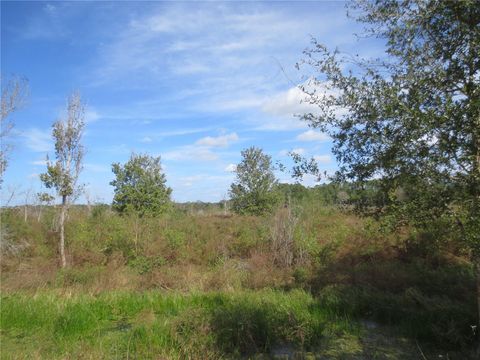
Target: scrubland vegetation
(381, 262)
(307, 280)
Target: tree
(412, 119)
(253, 190)
(14, 95)
(62, 175)
(140, 190)
(140, 186)
(42, 199)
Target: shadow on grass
(429, 300)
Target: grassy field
(201, 284)
(153, 325)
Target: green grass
(152, 324)
(173, 325)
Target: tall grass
(153, 324)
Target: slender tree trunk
(136, 235)
(25, 208)
(476, 264)
(476, 211)
(62, 231)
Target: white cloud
(312, 135)
(324, 159)
(91, 116)
(281, 123)
(219, 141)
(202, 186)
(201, 149)
(191, 153)
(39, 162)
(238, 46)
(33, 176)
(38, 140)
(146, 139)
(289, 103)
(299, 151)
(231, 168)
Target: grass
(207, 286)
(172, 325)
(153, 324)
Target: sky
(192, 82)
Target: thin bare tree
(26, 204)
(14, 95)
(62, 175)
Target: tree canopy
(253, 190)
(409, 120)
(140, 186)
(62, 175)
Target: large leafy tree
(253, 191)
(62, 174)
(140, 186)
(411, 119)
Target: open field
(201, 284)
(335, 148)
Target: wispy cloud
(202, 149)
(39, 162)
(169, 78)
(218, 141)
(323, 159)
(230, 52)
(312, 135)
(38, 140)
(190, 153)
(91, 115)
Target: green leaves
(412, 119)
(62, 175)
(253, 190)
(140, 186)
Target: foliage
(292, 192)
(44, 198)
(140, 186)
(62, 175)
(396, 279)
(145, 265)
(253, 191)
(412, 120)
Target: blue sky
(193, 82)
